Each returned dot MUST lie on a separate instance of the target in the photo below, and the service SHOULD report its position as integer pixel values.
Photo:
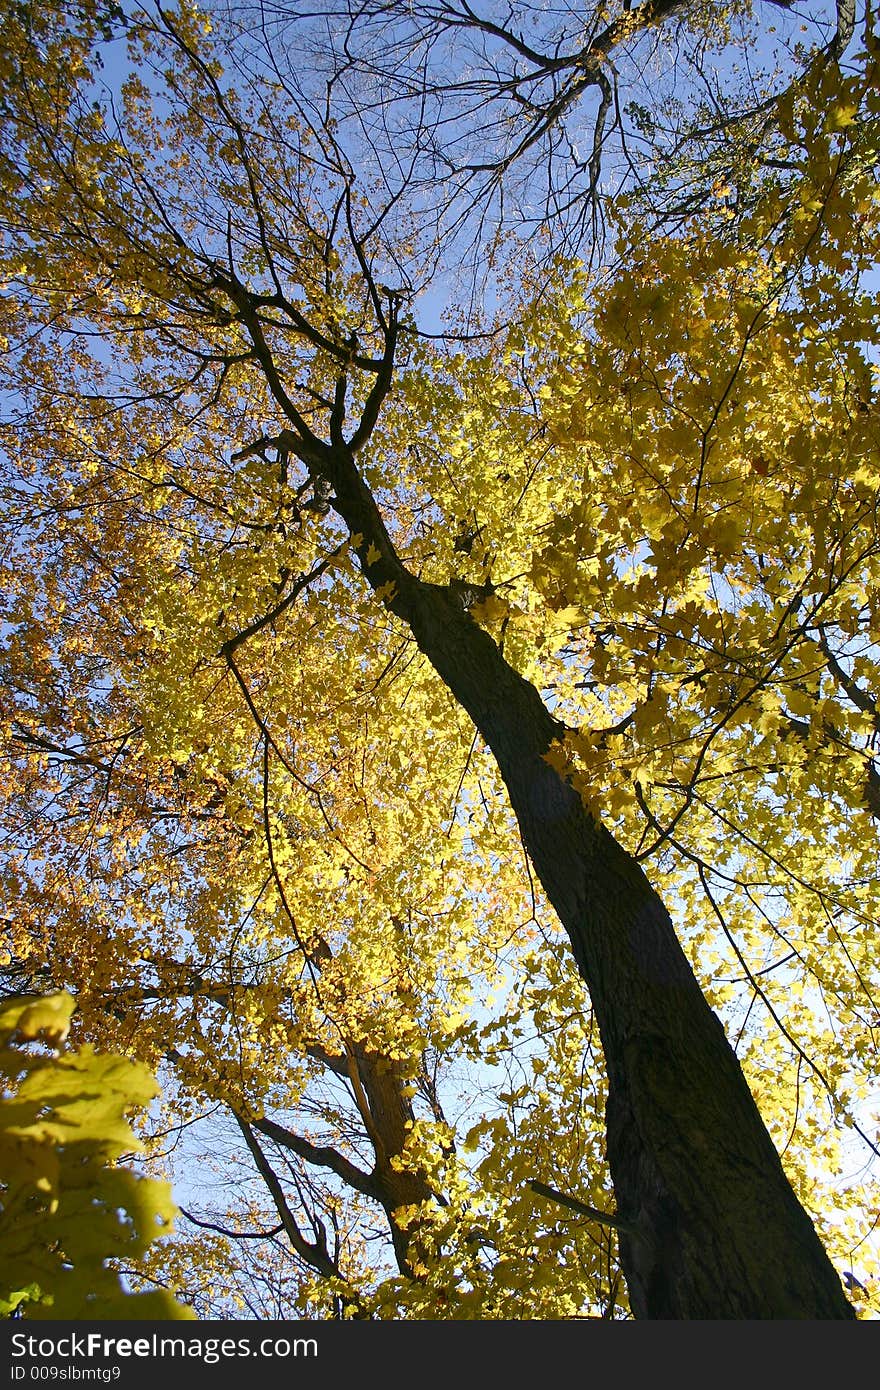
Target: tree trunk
(718, 1231)
(388, 1114)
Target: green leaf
(67, 1211)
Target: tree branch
(573, 1204)
(321, 1155)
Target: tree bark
(719, 1232)
(388, 1114)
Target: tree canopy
(417, 736)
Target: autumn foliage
(73, 1217)
(263, 810)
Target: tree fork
(388, 1113)
(714, 1229)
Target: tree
(512, 115)
(273, 556)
